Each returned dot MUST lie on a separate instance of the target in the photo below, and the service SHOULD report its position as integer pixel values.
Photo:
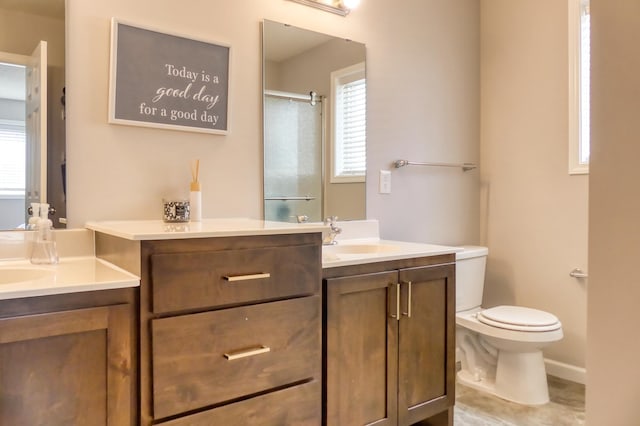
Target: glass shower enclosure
(293, 160)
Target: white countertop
(371, 250)
(70, 275)
(231, 227)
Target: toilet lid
(519, 318)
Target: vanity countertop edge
(391, 251)
(70, 275)
(140, 230)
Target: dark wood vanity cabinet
(390, 343)
(230, 329)
(68, 359)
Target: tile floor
(566, 408)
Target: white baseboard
(566, 371)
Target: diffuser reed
(195, 193)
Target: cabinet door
(66, 368)
(362, 344)
(426, 366)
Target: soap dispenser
(34, 218)
(44, 250)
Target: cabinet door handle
(247, 352)
(395, 315)
(408, 311)
(247, 277)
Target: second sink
(12, 275)
(361, 248)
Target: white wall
(422, 75)
(534, 214)
(422, 105)
(613, 379)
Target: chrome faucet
(302, 218)
(334, 230)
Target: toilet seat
(519, 318)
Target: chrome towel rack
(577, 273)
(464, 166)
(291, 198)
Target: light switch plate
(385, 182)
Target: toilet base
(519, 377)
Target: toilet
(500, 348)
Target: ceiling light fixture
(340, 7)
(350, 4)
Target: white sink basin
(361, 248)
(16, 274)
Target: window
(579, 82)
(348, 103)
(12, 159)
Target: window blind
(353, 129)
(12, 159)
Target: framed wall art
(167, 81)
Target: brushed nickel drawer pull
(247, 277)
(247, 352)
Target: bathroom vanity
(68, 359)
(67, 343)
(235, 321)
(389, 335)
(230, 319)
(252, 322)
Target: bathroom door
(293, 140)
(36, 126)
(24, 134)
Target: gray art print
(163, 80)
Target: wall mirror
(314, 125)
(32, 121)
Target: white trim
(566, 371)
(575, 167)
(14, 58)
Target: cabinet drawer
(212, 357)
(182, 281)
(297, 405)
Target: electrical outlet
(385, 182)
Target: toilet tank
(470, 268)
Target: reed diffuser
(195, 194)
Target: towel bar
(464, 166)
